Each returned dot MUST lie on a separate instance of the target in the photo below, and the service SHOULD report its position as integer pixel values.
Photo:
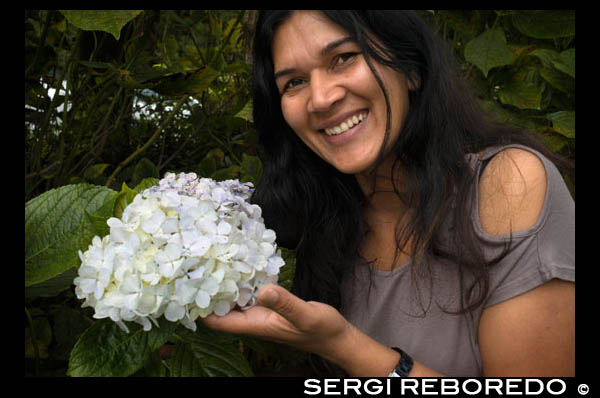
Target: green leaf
(489, 50)
(511, 116)
(127, 194)
(145, 184)
(125, 197)
(565, 62)
(53, 286)
(145, 168)
(68, 325)
(93, 173)
(106, 350)
(554, 142)
(226, 173)
(58, 224)
(545, 24)
(246, 112)
(545, 55)
(96, 224)
(521, 94)
(563, 122)
(251, 169)
(207, 354)
(522, 89)
(206, 167)
(111, 21)
(187, 83)
(558, 80)
(153, 367)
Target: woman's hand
(284, 318)
(313, 327)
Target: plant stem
(141, 150)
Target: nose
(324, 92)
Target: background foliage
(114, 99)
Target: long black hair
(316, 209)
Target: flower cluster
(184, 249)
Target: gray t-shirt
(445, 342)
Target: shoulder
(512, 190)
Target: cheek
(291, 113)
(397, 89)
(295, 117)
(362, 82)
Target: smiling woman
(332, 84)
(429, 240)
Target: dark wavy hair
(316, 210)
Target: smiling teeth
(345, 126)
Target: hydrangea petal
(222, 307)
(174, 312)
(200, 247)
(202, 299)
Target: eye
(344, 57)
(292, 83)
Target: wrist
(359, 355)
(337, 349)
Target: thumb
(269, 297)
(291, 307)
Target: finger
(291, 307)
(238, 322)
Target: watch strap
(404, 366)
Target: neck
(384, 204)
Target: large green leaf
(511, 116)
(521, 94)
(564, 61)
(563, 122)
(106, 350)
(558, 80)
(52, 286)
(522, 89)
(208, 354)
(545, 24)
(489, 50)
(59, 223)
(111, 21)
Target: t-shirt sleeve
(543, 252)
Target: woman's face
(330, 97)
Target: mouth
(347, 124)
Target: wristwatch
(404, 365)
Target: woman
(426, 244)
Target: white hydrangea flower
(183, 249)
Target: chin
(353, 168)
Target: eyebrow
(326, 50)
